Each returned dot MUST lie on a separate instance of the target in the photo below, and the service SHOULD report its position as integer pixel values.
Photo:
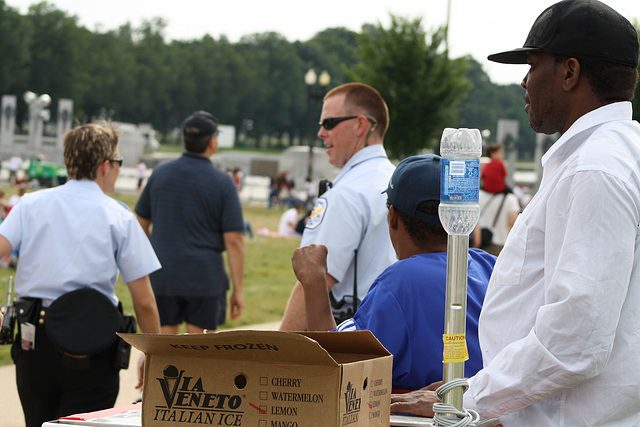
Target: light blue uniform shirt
(75, 236)
(353, 215)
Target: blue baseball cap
(415, 180)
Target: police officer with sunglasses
(350, 218)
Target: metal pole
(455, 315)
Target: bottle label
(460, 181)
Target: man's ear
(571, 73)
(393, 218)
(363, 126)
(102, 168)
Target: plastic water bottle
(460, 150)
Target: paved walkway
(11, 412)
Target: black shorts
(203, 312)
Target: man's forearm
(236, 269)
(235, 257)
(317, 306)
(5, 246)
(144, 304)
(309, 307)
(295, 315)
(294, 318)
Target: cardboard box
(265, 379)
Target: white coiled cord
(447, 415)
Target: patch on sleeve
(317, 214)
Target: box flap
(262, 346)
(356, 342)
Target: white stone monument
(7, 122)
(507, 136)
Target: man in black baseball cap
(196, 215)
(586, 34)
(405, 306)
(559, 326)
(580, 28)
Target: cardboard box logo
(188, 393)
(352, 405)
(187, 400)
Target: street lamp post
(316, 89)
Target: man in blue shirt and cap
(404, 307)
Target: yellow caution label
(455, 348)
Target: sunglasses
(118, 161)
(331, 122)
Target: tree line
(257, 84)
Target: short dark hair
(610, 82)
(86, 146)
(197, 131)
(196, 144)
(492, 147)
(420, 231)
(364, 99)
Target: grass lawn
(268, 277)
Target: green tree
(334, 50)
(108, 81)
(15, 35)
(283, 94)
(413, 72)
(485, 103)
(153, 75)
(57, 53)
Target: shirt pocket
(511, 262)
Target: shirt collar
(367, 153)
(85, 185)
(195, 156)
(607, 113)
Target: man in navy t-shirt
(191, 211)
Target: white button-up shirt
(560, 325)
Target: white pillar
(507, 136)
(65, 120)
(7, 120)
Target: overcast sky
(477, 27)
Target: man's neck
(408, 248)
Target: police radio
(323, 186)
(8, 310)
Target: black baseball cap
(579, 28)
(199, 124)
(415, 180)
